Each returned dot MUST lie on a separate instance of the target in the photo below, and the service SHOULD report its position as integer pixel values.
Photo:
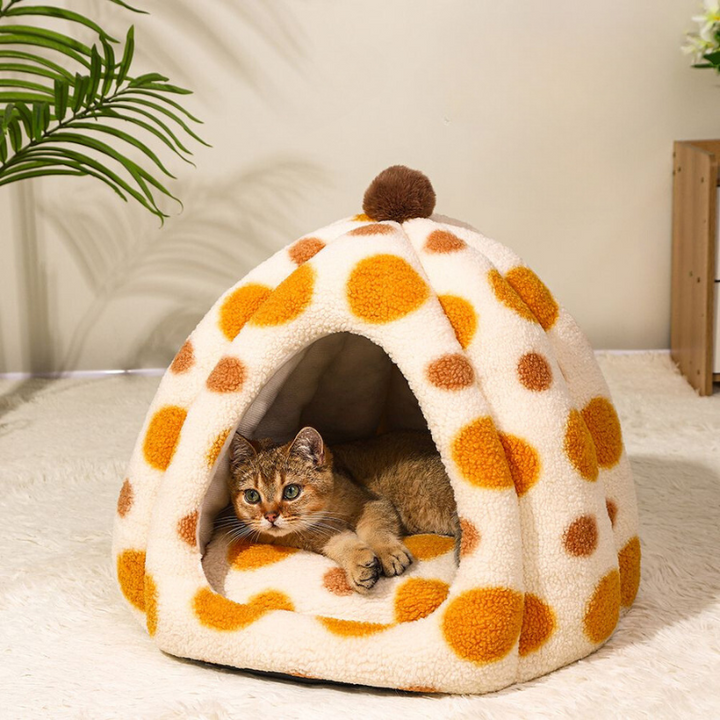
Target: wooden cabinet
(695, 275)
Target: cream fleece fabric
(516, 404)
(69, 648)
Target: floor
(69, 647)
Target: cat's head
(277, 489)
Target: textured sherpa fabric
(364, 327)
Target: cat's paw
(363, 570)
(394, 558)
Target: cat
(350, 503)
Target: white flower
(705, 40)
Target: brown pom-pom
(399, 194)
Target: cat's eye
(252, 496)
(291, 492)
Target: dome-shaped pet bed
(393, 319)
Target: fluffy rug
(70, 648)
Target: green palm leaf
(54, 107)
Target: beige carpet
(69, 647)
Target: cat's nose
(271, 517)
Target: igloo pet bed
(392, 319)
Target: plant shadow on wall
(119, 251)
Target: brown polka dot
(535, 295)
(508, 297)
(581, 536)
(335, 581)
(304, 249)
(162, 436)
(480, 456)
(216, 448)
(538, 625)
(383, 288)
(131, 576)
(534, 372)
(611, 506)
(250, 556)
(219, 613)
(417, 598)
(604, 425)
(187, 528)
(427, 547)
(523, 460)
(351, 628)
(470, 537)
(125, 499)
(603, 609)
(462, 317)
(362, 217)
(442, 241)
(184, 360)
(579, 447)
(227, 376)
(151, 605)
(289, 299)
(483, 625)
(240, 306)
(629, 562)
(374, 229)
(451, 372)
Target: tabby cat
(351, 503)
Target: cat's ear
(241, 452)
(309, 445)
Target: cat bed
(392, 319)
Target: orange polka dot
(604, 425)
(362, 217)
(629, 562)
(382, 288)
(451, 372)
(162, 436)
(523, 460)
(417, 598)
(125, 499)
(351, 628)
(462, 317)
(480, 457)
(184, 360)
(508, 297)
(131, 576)
(483, 625)
(151, 605)
(534, 372)
(374, 229)
(216, 448)
(427, 547)
(538, 625)
(239, 307)
(304, 249)
(289, 299)
(581, 536)
(187, 528)
(227, 376)
(219, 613)
(470, 537)
(603, 609)
(335, 581)
(442, 241)
(535, 295)
(250, 556)
(611, 506)
(579, 447)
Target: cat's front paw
(394, 558)
(363, 570)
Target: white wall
(548, 127)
